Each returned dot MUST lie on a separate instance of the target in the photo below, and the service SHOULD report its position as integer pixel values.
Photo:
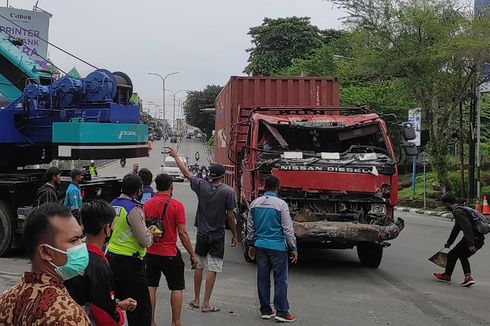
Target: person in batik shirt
(53, 241)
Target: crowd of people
(101, 263)
(92, 262)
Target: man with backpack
(466, 220)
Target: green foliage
(277, 42)
(319, 63)
(433, 47)
(197, 101)
(383, 97)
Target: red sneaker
(442, 277)
(288, 318)
(468, 281)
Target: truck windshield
(362, 138)
(170, 164)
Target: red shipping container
(241, 94)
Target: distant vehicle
(173, 139)
(188, 136)
(170, 167)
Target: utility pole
(478, 141)
(471, 151)
(163, 89)
(174, 95)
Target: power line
(53, 45)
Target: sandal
(193, 305)
(212, 309)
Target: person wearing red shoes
(471, 242)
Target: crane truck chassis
(63, 118)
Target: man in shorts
(216, 204)
(164, 256)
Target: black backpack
(480, 221)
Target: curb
(424, 212)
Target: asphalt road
(329, 287)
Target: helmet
(92, 162)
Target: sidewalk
(422, 211)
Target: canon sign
(20, 16)
(30, 26)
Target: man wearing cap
(73, 197)
(216, 204)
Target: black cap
(216, 171)
(76, 172)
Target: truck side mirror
(410, 149)
(408, 131)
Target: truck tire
(241, 229)
(6, 230)
(370, 254)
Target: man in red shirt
(164, 256)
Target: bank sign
(28, 26)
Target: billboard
(29, 26)
(415, 119)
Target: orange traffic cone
(486, 208)
(478, 206)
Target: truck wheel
(242, 236)
(370, 254)
(6, 230)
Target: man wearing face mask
(53, 241)
(127, 249)
(94, 290)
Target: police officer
(127, 249)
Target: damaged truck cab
(336, 165)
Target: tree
(319, 63)
(277, 42)
(196, 102)
(434, 47)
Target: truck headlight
(377, 209)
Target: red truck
(336, 165)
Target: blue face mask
(76, 261)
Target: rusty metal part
(306, 215)
(342, 231)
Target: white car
(170, 167)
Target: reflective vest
(123, 242)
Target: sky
(205, 41)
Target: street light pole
(174, 95)
(163, 88)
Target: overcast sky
(203, 40)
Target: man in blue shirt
(73, 197)
(269, 234)
(147, 178)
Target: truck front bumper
(325, 231)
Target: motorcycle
(123, 162)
